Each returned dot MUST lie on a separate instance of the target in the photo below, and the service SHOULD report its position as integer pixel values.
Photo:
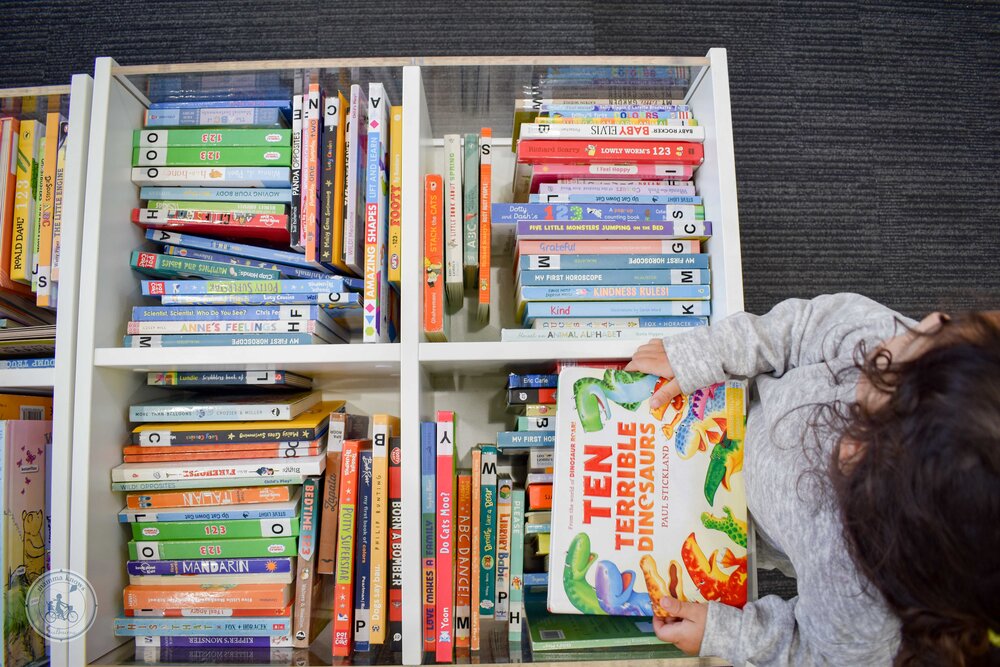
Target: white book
(453, 221)
(212, 470)
(376, 237)
(356, 142)
(208, 579)
(649, 333)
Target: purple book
(237, 641)
(611, 229)
(233, 566)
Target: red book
(251, 450)
(536, 151)
(239, 226)
(540, 497)
(343, 586)
(463, 563)
(444, 564)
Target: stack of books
(607, 222)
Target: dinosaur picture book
(646, 502)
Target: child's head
(919, 490)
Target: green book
(188, 156)
(515, 611)
(173, 266)
(487, 529)
(257, 208)
(211, 136)
(178, 484)
(36, 216)
(470, 218)
(229, 530)
(255, 547)
(563, 632)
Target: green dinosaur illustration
(593, 395)
(730, 525)
(726, 460)
(578, 562)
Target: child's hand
(686, 627)
(651, 358)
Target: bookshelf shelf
(412, 378)
(28, 378)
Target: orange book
(276, 453)
(540, 497)
(435, 321)
(19, 406)
(239, 495)
(485, 194)
(463, 563)
(343, 427)
(9, 135)
(343, 582)
(241, 596)
(258, 449)
(277, 614)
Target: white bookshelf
(412, 378)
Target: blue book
(615, 277)
(188, 626)
(228, 247)
(536, 579)
(613, 199)
(266, 195)
(516, 381)
(231, 116)
(348, 302)
(233, 566)
(362, 553)
(205, 287)
(235, 177)
(566, 262)
(284, 104)
(285, 271)
(212, 313)
(428, 526)
(622, 322)
(599, 230)
(213, 641)
(507, 213)
(611, 292)
(616, 309)
(225, 340)
(10, 364)
(508, 441)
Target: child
(872, 473)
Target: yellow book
(42, 276)
(395, 192)
(337, 246)
(57, 213)
(24, 201)
(383, 428)
(36, 219)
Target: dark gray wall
(865, 132)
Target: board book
(646, 502)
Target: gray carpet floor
(865, 132)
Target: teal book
(487, 529)
(515, 610)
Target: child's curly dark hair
(918, 489)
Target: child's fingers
(664, 394)
(678, 609)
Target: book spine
(615, 199)
(337, 301)
(343, 593)
(631, 132)
(611, 333)
(228, 116)
(222, 327)
(210, 313)
(217, 136)
(395, 193)
(212, 497)
(376, 218)
(362, 555)
(531, 395)
(340, 229)
(131, 626)
(216, 566)
(168, 266)
(210, 471)
(463, 563)
(264, 208)
(627, 323)
(504, 489)
(485, 221)
(540, 496)
(540, 460)
(281, 450)
(381, 432)
(327, 543)
(212, 514)
(395, 546)
(453, 220)
(615, 265)
(516, 610)
(613, 292)
(354, 191)
(31, 263)
(236, 548)
(435, 318)
(510, 213)
(428, 520)
(529, 178)
(227, 340)
(186, 156)
(10, 364)
(582, 309)
(487, 530)
(445, 527)
(507, 440)
(180, 484)
(535, 424)
(9, 137)
(470, 206)
(310, 171)
(234, 177)
(332, 284)
(163, 435)
(305, 575)
(228, 247)
(612, 229)
(328, 246)
(43, 274)
(278, 104)
(610, 151)
(516, 381)
(27, 166)
(474, 555)
(193, 530)
(583, 188)
(209, 643)
(275, 195)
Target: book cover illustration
(646, 502)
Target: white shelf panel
(28, 378)
(380, 359)
(479, 357)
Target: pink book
(528, 177)
(445, 562)
(608, 247)
(25, 444)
